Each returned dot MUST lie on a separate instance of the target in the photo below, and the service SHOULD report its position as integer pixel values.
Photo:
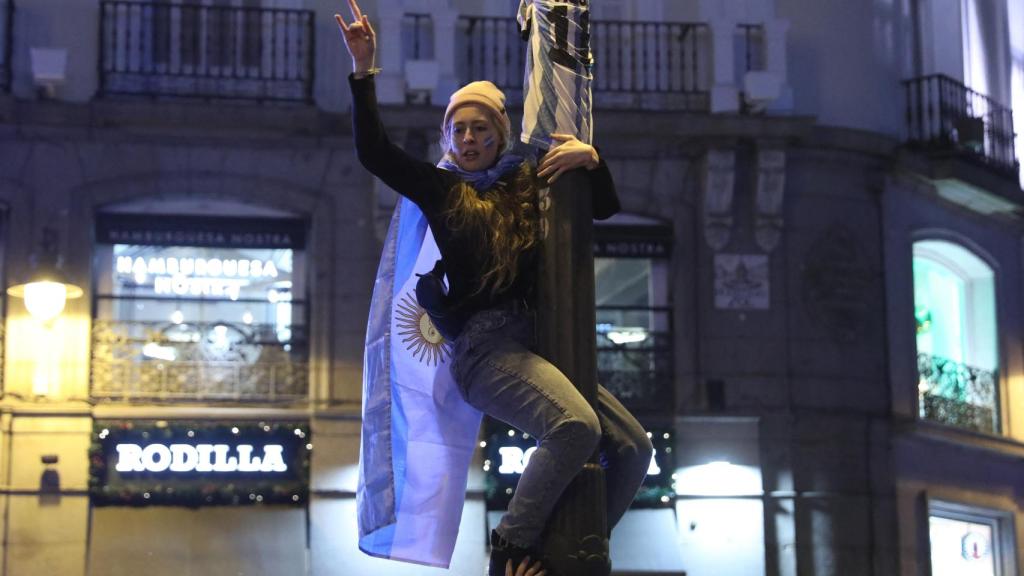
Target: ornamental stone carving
(719, 184)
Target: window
(634, 320)
(225, 48)
(223, 34)
(969, 541)
(957, 352)
(417, 37)
(197, 308)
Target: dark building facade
(812, 298)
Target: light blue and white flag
(418, 433)
(557, 84)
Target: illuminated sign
(196, 276)
(974, 546)
(507, 452)
(199, 463)
(211, 267)
(198, 458)
(514, 460)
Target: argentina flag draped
(557, 84)
(418, 433)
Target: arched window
(957, 343)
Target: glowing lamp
(46, 292)
(45, 298)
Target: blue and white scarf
(484, 179)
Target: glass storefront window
(963, 547)
(634, 320)
(188, 322)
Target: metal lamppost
(576, 540)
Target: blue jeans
(498, 374)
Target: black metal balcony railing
(956, 394)
(650, 57)
(490, 48)
(6, 42)
(639, 373)
(206, 51)
(153, 361)
(943, 115)
(632, 60)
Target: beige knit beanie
(485, 94)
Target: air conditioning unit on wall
(421, 79)
(760, 89)
(48, 69)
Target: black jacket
(429, 188)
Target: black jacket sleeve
(606, 199)
(419, 181)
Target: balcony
(665, 65)
(200, 362)
(6, 42)
(957, 395)
(200, 51)
(947, 119)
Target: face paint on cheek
(489, 142)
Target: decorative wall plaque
(742, 282)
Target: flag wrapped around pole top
(557, 97)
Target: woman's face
(474, 139)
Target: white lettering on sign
(139, 267)
(184, 286)
(514, 460)
(199, 458)
(653, 469)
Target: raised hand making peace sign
(360, 39)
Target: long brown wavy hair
(506, 217)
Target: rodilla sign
(197, 463)
(199, 458)
(507, 452)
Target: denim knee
(637, 448)
(581, 431)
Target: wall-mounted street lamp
(47, 289)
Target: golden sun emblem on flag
(419, 334)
